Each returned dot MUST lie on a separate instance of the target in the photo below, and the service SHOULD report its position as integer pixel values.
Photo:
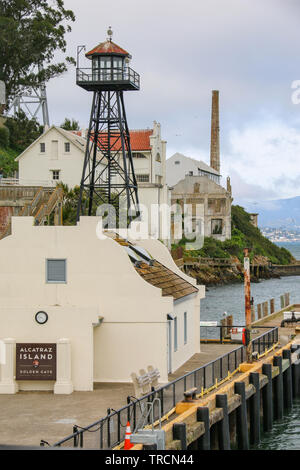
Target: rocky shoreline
(211, 276)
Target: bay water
(285, 434)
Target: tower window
(42, 147)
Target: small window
(42, 147)
(175, 334)
(185, 327)
(216, 226)
(142, 178)
(177, 162)
(56, 271)
(55, 174)
(67, 146)
(158, 159)
(138, 155)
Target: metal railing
(109, 432)
(88, 75)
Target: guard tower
(108, 173)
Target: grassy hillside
(243, 235)
(7, 161)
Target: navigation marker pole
(247, 304)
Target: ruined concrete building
(194, 182)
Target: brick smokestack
(215, 132)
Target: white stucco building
(111, 306)
(58, 156)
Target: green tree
(22, 131)
(70, 125)
(31, 31)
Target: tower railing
(103, 75)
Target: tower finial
(110, 33)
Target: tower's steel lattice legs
(108, 173)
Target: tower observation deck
(108, 172)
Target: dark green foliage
(22, 131)
(7, 161)
(243, 235)
(31, 32)
(70, 201)
(70, 125)
(254, 240)
(4, 137)
(16, 135)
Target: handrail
(107, 74)
(273, 331)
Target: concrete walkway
(28, 417)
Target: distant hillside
(243, 235)
(277, 213)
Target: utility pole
(247, 304)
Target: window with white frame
(55, 174)
(138, 155)
(185, 327)
(56, 271)
(67, 147)
(142, 178)
(175, 335)
(42, 147)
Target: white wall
(101, 282)
(36, 165)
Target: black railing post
(75, 432)
(174, 394)
(108, 427)
(128, 408)
(119, 427)
(162, 401)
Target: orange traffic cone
(127, 445)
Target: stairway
(41, 207)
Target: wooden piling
(296, 378)
(287, 381)
(259, 311)
(265, 309)
(267, 398)
(278, 389)
(252, 313)
(241, 417)
(223, 425)
(179, 433)
(255, 409)
(272, 306)
(204, 440)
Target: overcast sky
(246, 49)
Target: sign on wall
(35, 361)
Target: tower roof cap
(107, 47)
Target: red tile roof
(139, 139)
(107, 47)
